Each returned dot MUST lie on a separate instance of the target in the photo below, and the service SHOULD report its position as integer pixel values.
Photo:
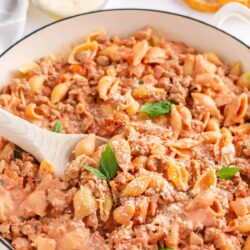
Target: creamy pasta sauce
(175, 172)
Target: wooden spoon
(5, 245)
(42, 144)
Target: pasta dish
(175, 172)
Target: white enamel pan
(58, 36)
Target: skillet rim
(121, 9)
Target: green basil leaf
(227, 173)
(167, 248)
(108, 163)
(141, 81)
(156, 109)
(57, 128)
(96, 172)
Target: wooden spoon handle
(42, 144)
(5, 245)
(22, 133)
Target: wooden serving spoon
(5, 245)
(42, 144)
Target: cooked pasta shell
(225, 242)
(74, 239)
(122, 152)
(84, 203)
(42, 243)
(241, 206)
(156, 236)
(158, 149)
(204, 66)
(183, 153)
(90, 48)
(224, 150)
(110, 51)
(34, 204)
(202, 200)
(247, 242)
(124, 214)
(241, 224)
(107, 86)
(180, 119)
(28, 67)
(207, 102)
(204, 118)
(213, 58)
(105, 206)
(236, 69)
(210, 80)
(144, 92)
(195, 239)
(242, 129)
(175, 121)
(154, 40)
(185, 143)
(211, 136)
(155, 55)
(157, 182)
(140, 161)
(244, 80)
(188, 66)
(137, 186)
(195, 171)
(186, 117)
(207, 179)
(30, 111)
(36, 82)
(86, 146)
(93, 36)
(141, 210)
(217, 208)
(139, 51)
(59, 92)
(212, 125)
(177, 174)
(235, 111)
(132, 105)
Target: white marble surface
(237, 27)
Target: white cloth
(13, 15)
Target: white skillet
(60, 35)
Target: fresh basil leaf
(141, 81)
(57, 128)
(96, 172)
(156, 109)
(167, 248)
(108, 164)
(227, 173)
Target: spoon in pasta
(5, 245)
(55, 148)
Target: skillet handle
(231, 10)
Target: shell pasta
(175, 172)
